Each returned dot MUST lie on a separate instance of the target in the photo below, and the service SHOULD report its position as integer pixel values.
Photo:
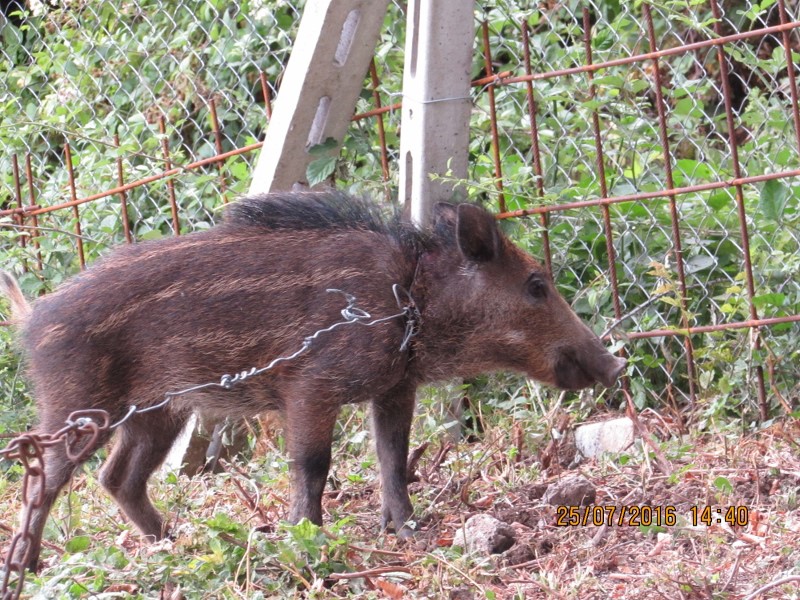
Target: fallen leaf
(392, 590)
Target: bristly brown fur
(166, 315)
(307, 210)
(330, 211)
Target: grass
(229, 540)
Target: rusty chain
(79, 434)
(83, 428)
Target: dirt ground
(638, 529)
(746, 546)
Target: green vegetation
(90, 70)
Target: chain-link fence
(680, 139)
(648, 153)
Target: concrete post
(320, 86)
(436, 102)
(440, 36)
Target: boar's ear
(477, 233)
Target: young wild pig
(162, 316)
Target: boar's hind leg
(309, 433)
(391, 421)
(141, 447)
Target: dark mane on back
(308, 210)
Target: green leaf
(689, 106)
(706, 379)
(153, 234)
(651, 529)
(240, 170)
(773, 299)
(719, 200)
(222, 522)
(323, 148)
(700, 263)
(773, 198)
(694, 169)
(639, 85)
(723, 484)
(319, 170)
(71, 68)
(78, 544)
(614, 81)
(116, 559)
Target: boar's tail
(10, 289)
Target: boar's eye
(537, 287)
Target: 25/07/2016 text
(647, 516)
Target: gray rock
(615, 435)
(462, 593)
(570, 491)
(485, 535)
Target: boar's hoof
(33, 566)
(404, 532)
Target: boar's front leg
(391, 421)
(309, 435)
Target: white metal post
(436, 108)
(436, 101)
(330, 58)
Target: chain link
(79, 434)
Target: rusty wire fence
(648, 153)
(667, 143)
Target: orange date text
(634, 515)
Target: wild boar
(165, 315)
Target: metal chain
(351, 315)
(83, 428)
(79, 434)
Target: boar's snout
(583, 367)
